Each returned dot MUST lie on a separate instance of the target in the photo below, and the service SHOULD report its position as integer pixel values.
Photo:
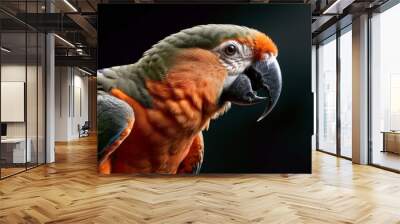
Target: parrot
(151, 114)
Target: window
(385, 89)
(329, 113)
(346, 93)
(22, 76)
(327, 96)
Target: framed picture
(195, 89)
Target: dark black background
(235, 143)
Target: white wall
(61, 103)
(71, 102)
(80, 102)
(16, 73)
(33, 127)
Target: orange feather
(260, 43)
(163, 135)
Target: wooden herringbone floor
(70, 191)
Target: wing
(192, 162)
(115, 119)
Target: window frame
(334, 37)
(381, 9)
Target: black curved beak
(265, 75)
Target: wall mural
(152, 113)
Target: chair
(84, 130)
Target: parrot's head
(248, 57)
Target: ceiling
(23, 47)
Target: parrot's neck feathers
(217, 114)
(127, 78)
(222, 111)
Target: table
(391, 141)
(13, 150)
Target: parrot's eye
(230, 50)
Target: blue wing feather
(113, 116)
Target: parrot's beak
(241, 89)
